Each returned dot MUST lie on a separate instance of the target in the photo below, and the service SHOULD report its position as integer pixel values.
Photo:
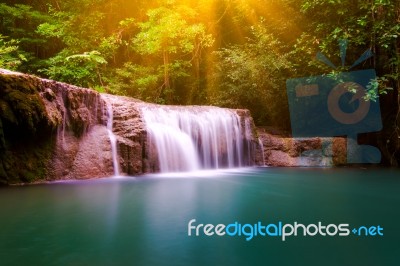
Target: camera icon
(327, 106)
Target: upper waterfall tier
(189, 138)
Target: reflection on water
(143, 220)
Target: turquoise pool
(144, 220)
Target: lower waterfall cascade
(192, 138)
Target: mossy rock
(27, 162)
(25, 130)
(31, 111)
(20, 102)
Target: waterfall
(113, 139)
(196, 137)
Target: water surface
(143, 220)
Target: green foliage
(79, 69)
(365, 24)
(251, 76)
(168, 36)
(19, 22)
(138, 81)
(93, 57)
(233, 53)
(168, 31)
(79, 32)
(10, 57)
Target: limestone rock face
(50, 130)
(81, 158)
(131, 134)
(281, 150)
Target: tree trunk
(166, 75)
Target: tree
(372, 24)
(19, 23)
(168, 35)
(79, 69)
(364, 24)
(252, 76)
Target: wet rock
(44, 128)
(282, 150)
(93, 158)
(82, 158)
(49, 94)
(279, 158)
(339, 151)
(131, 134)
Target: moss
(24, 83)
(2, 138)
(26, 142)
(29, 109)
(20, 101)
(6, 112)
(28, 162)
(28, 177)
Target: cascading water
(196, 137)
(113, 139)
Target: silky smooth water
(191, 138)
(143, 221)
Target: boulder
(283, 150)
